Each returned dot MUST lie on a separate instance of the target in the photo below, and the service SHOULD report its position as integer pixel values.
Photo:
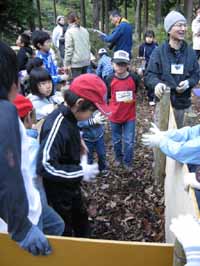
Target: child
(145, 51)
(59, 155)
(41, 96)
(122, 101)
(93, 135)
(104, 68)
(41, 41)
(25, 51)
(50, 222)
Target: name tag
(177, 69)
(124, 96)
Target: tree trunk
(31, 18)
(158, 6)
(54, 10)
(146, 14)
(83, 19)
(95, 14)
(125, 9)
(188, 6)
(178, 5)
(106, 16)
(138, 20)
(39, 14)
(102, 9)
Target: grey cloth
(171, 18)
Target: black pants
(78, 71)
(68, 203)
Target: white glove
(154, 139)
(160, 89)
(90, 171)
(187, 231)
(189, 179)
(183, 86)
(64, 77)
(98, 118)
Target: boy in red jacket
(122, 101)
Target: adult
(14, 208)
(121, 37)
(196, 33)
(58, 35)
(77, 46)
(174, 64)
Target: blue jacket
(183, 145)
(104, 68)
(121, 37)
(90, 131)
(50, 66)
(14, 202)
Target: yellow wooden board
(87, 252)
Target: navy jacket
(13, 199)
(23, 56)
(121, 37)
(59, 154)
(159, 70)
(146, 49)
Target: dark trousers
(68, 202)
(78, 71)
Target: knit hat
(58, 18)
(23, 105)
(121, 56)
(92, 88)
(171, 18)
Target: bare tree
(39, 13)
(106, 3)
(188, 6)
(125, 9)
(83, 19)
(54, 10)
(158, 6)
(95, 14)
(102, 15)
(146, 14)
(138, 20)
(31, 17)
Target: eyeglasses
(180, 25)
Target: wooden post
(162, 120)
(179, 255)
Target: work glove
(35, 242)
(160, 89)
(187, 231)
(64, 77)
(90, 171)
(154, 139)
(183, 86)
(190, 180)
(98, 118)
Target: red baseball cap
(92, 88)
(23, 105)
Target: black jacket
(13, 199)
(23, 56)
(159, 70)
(59, 154)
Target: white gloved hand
(187, 231)
(64, 77)
(190, 180)
(98, 118)
(90, 171)
(183, 86)
(160, 89)
(154, 139)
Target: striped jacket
(59, 154)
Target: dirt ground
(123, 206)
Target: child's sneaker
(104, 173)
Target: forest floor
(123, 206)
